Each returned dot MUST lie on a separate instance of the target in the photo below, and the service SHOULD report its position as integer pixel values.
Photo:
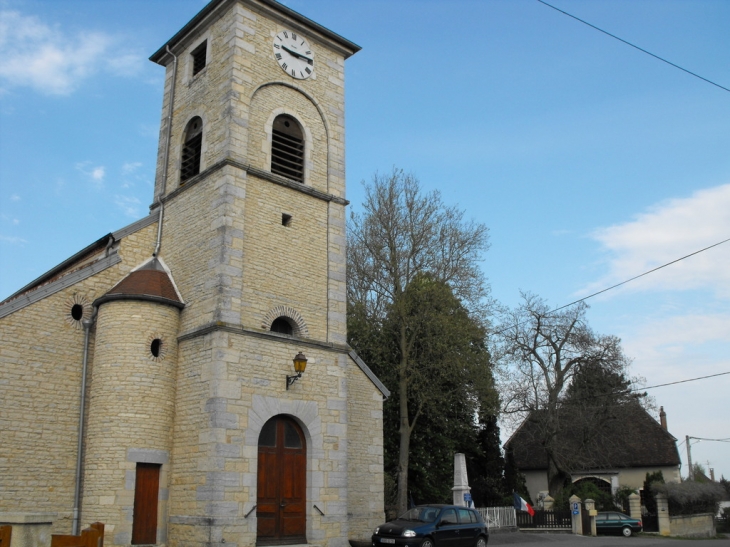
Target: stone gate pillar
(547, 503)
(662, 509)
(591, 508)
(635, 506)
(576, 513)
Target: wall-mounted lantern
(300, 365)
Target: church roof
(348, 47)
(150, 282)
(632, 439)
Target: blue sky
(590, 161)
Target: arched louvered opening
(192, 149)
(282, 325)
(287, 148)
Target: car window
(428, 514)
(474, 516)
(449, 517)
(423, 514)
(601, 516)
(613, 516)
(464, 516)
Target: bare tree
(539, 352)
(400, 235)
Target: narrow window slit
(192, 149)
(198, 55)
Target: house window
(287, 148)
(192, 148)
(198, 55)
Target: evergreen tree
(449, 384)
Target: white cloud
(666, 232)
(15, 197)
(95, 173)
(33, 54)
(130, 167)
(663, 347)
(129, 205)
(13, 240)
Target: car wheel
(626, 531)
(428, 542)
(481, 542)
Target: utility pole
(689, 458)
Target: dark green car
(617, 523)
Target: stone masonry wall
(284, 265)
(237, 95)
(229, 385)
(131, 410)
(240, 61)
(41, 352)
(366, 499)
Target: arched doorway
(602, 484)
(282, 472)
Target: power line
(571, 402)
(634, 46)
(718, 440)
(622, 282)
(681, 382)
(643, 274)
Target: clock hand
(297, 54)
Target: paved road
(557, 540)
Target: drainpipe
(77, 489)
(165, 160)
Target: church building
(186, 380)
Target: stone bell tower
(250, 189)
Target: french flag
(522, 505)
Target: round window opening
(77, 312)
(156, 347)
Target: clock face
(293, 54)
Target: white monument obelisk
(461, 490)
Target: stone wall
(131, 409)
(41, 349)
(693, 526)
(365, 455)
(229, 385)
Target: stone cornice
(260, 173)
(221, 326)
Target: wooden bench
(93, 536)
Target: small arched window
(191, 153)
(287, 148)
(282, 326)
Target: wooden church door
(282, 468)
